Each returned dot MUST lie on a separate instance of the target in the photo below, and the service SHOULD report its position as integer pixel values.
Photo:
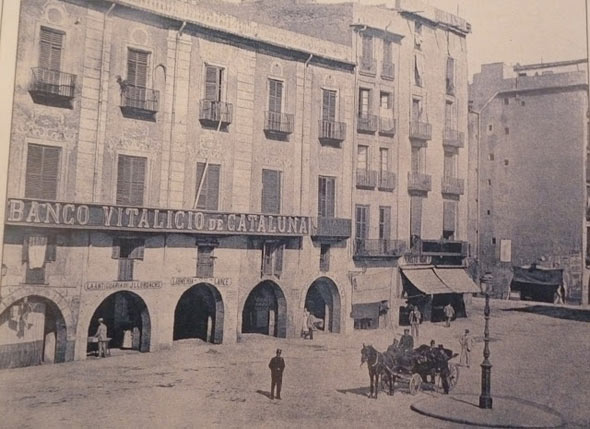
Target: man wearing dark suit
(277, 366)
(406, 342)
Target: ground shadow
(263, 393)
(361, 391)
(555, 312)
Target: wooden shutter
(330, 196)
(137, 65)
(209, 196)
(51, 252)
(275, 96)
(416, 216)
(322, 196)
(278, 259)
(267, 258)
(271, 191)
(362, 222)
(42, 172)
(212, 83)
(385, 223)
(130, 180)
(51, 45)
(450, 74)
(367, 46)
(449, 213)
(205, 261)
(387, 57)
(329, 105)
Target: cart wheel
(453, 375)
(415, 384)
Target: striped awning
(457, 279)
(426, 280)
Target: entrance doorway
(199, 314)
(128, 322)
(265, 311)
(323, 302)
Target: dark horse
(378, 365)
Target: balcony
(453, 138)
(366, 123)
(215, 113)
(366, 179)
(386, 181)
(332, 132)
(139, 102)
(419, 182)
(443, 248)
(331, 228)
(388, 71)
(368, 66)
(387, 127)
(420, 130)
(278, 123)
(379, 248)
(52, 87)
(452, 185)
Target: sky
(518, 31)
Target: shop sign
(417, 260)
(92, 216)
(189, 281)
(133, 285)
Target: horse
(377, 363)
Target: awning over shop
(426, 280)
(457, 280)
(372, 287)
(367, 310)
(538, 275)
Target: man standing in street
(466, 344)
(277, 366)
(310, 327)
(406, 342)
(449, 313)
(101, 336)
(415, 318)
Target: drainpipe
(303, 130)
(173, 109)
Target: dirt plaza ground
(540, 353)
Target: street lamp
(485, 399)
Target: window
(137, 67)
(367, 49)
(522, 103)
(450, 115)
(417, 161)
(506, 130)
(387, 52)
(362, 159)
(42, 172)
(271, 191)
(324, 257)
(493, 240)
(127, 250)
(416, 109)
(207, 189)
(489, 182)
(417, 35)
(418, 70)
(506, 162)
(383, 162)
(131, 180)
(364, 102)
(491, 157)
(386, 103)
(205, 261)
(51, 45)
(38, 250)
(450, 80)
(489, 212)
(415, 219)
(329, 105)
(213, 83)
(450, 165)
(362, 222)
(490, 127)
(384, 223)
(326, 196)
(449, 219)
(272, 258)
(506, 101)
(275, 96)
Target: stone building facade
(528, 134)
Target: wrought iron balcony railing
(453, 138)
(419, 182)
(136, 100)
(420, 130)
(387, 126)
(331, 227)
(213, 113)
(386, 181)
(332, 131)
(366, 123)
(379, 248)
(443, 248)
(366, 179)
(280, 123)
(452, 185)
(388, 71)
(52, 86)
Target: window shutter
(51, 45)
(385, 223)
(450, 73)
(322, 196)
(205, 261)
(278, 256)
(51, 252)
(116, 253)
(329, 105)
(137, 180)
(271, 191)
(212, 83)
(267, 255)
(138, 250)
(416, 216)
(42, 171)
(130, 180)
(449, 208)
(50, 172)
(387, 52)
(330, 196)
(213, 187)
(25, 250)
(137, 62)
(275, 96)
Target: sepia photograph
(294, 213)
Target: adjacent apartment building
(528, 134)
(186, 172)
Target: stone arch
(265, 310)
(205, 323)
(323, 299)
(123, 311)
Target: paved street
(540, 355)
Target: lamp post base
(485, 402)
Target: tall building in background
(528, 134)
